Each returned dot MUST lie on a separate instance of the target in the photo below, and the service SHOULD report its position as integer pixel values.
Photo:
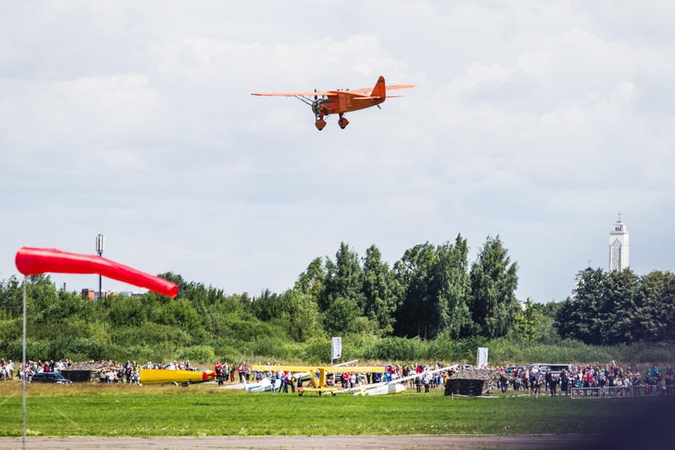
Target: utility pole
(100, 244)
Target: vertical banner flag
(482, 357)
(336, 348)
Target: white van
(556, 368)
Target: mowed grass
(206, 410)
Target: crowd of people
(10, 370)
(597, 378)
(129, 372)
(289, 381)
(594, 378)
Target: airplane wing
(364, 91)
(367, 91)
(401, 86)
(295, 94)
(368, 388)
(411, 377)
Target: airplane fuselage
(345, 102)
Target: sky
(538, 122)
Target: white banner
(336, 348)
(482, 357)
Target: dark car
(50, 377)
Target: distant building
(92, 294)
(618, 247)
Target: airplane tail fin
(379, 90)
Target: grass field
(206, 410)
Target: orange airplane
(341, 101)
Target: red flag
(33, 261)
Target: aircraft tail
(379, 90)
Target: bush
(198, 353)
(397, 349)
(317, 351)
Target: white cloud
(534, 121)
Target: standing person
(247, 371)
(292, 382)
(548, 378)
(418, 383)
(10, 369)
(427, 382)
(503, 383)
(564, 382)
(553, 385)
(219, 373)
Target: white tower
(618, 246)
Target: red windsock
(33, 261)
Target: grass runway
(206, 410)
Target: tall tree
(303, 315)
(655, 303)
(576, 318)
(494, 281)
(619, 311)
(344, 279)
(312, 280)
(452, 276)
(381, 291)
(532, 323)
(415, 271)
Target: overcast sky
(535, 121)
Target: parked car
(556, 368)
(49, 377)
(514, 370)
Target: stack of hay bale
(473, 381)
(88, 371)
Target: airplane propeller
(315, 105)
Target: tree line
(432, 291)
(619, 308)
(432, 294)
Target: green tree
(303, 315)
(11, 297)
(577, 314)
(494, 281)
(381, 291)
(452, 277)
(312, 281)
(655, 307)
(415, 272)
(340, 318)
(532, 324)
(619, 311)
(344, 279)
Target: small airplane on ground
(319, 379)
(266, 384)
(394, 386)
(341, 101)
(260, 386)
(165, 376)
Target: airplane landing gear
(319, 124)
(343, 122)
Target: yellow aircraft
(165, 376)
(318, 381)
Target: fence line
(648, 390)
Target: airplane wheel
(343, 122)
(319, 124)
